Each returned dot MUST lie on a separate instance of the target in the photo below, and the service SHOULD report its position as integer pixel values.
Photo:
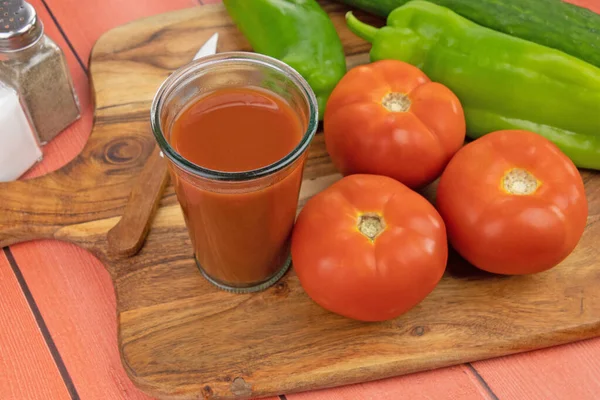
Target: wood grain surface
(181, 338)
(24, 356)
(127, 237)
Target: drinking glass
(240, 223)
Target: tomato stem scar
(371, 225)
(396, 102)
(520, 182)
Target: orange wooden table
(57, 307)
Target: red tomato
(369, 248)
(513, 203)
(388, 118)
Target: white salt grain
(19, 149)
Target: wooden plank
(27, 369)
(76, 299)
(84, 23)
(448, 383)
(593, 5)
(562, 372)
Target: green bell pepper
(502, 82)
(297, 32)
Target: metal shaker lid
(19, 25)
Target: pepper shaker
(36, 68)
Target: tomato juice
(240, 237)
(234, 129)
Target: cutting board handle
(89, 188)
(127, 237)
(93, 186)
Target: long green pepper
(558, 24)
(503, 82)
(297, 32)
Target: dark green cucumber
(552, 23)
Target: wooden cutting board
(182, 338)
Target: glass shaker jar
(36, 68)
(19, 148)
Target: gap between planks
(64, 373)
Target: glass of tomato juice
(235, 128)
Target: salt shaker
(19, 149)
(36, 68)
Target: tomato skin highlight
(388, 118)
(512, 233)
(346, 272)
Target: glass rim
(180, 76)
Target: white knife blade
(209, 47)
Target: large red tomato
(388, 118)
(369, 248)
(513, 203)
